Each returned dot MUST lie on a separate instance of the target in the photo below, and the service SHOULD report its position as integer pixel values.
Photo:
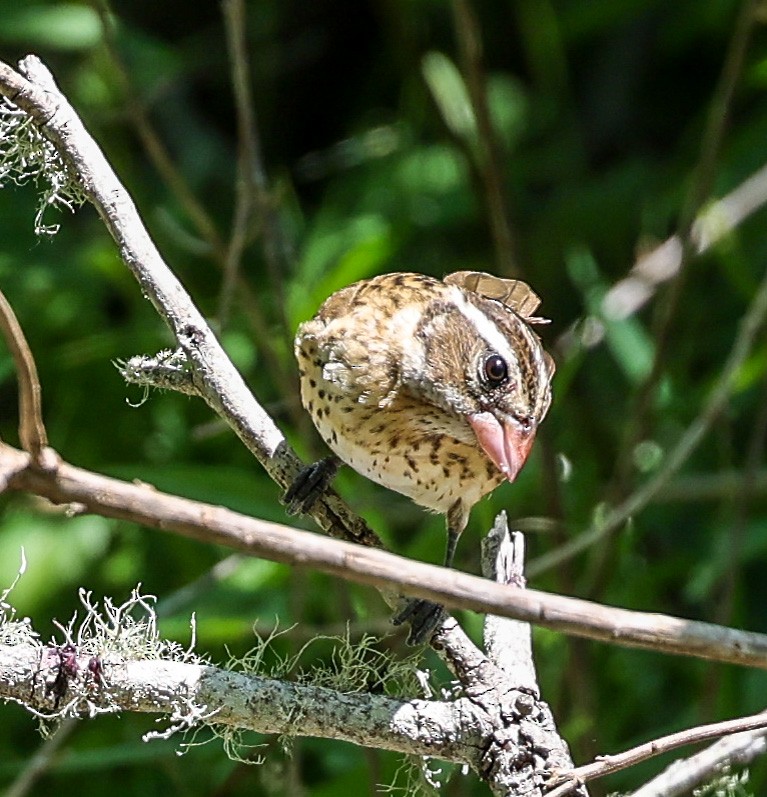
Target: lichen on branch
(26, 156)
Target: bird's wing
(349, 350)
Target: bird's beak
(507, 443)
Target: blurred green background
(375, 161)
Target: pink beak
(506, 444)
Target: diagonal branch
(607, 765)
(143, 504)
(685, 774)
(749, 327)
(217, 380)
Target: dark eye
(495, 369)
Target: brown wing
(515, 294)
(345, 348)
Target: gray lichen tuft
(26, 155)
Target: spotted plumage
(431, 388)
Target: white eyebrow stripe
(486, 328)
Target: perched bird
(431, 388)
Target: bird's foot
(424, 617)
(309, 484)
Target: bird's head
(480, 363)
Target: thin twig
(488, 152)
(158, 153)
(719, 114)
(713, 138)
(251, 182)
(32, 434)
(750, 325)
(743, 499)
(254, 197)
(199, 216)
(614, 763)
(685, 774)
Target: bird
(432, 388)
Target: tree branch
(217, 380)
(687, 773)
(143, 504)
(607, 765)
(509, 643)
(194, 693)
(32, 434)
(509, 648)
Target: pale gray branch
(192, 694)
(716, 222)
(509, 647)
(216, 378)
(508, 643)
(687, 773)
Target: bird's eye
(495, 370)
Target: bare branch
(719, 112)
(488, 151)
(32, 434)
(508, 643)
(687, 773)
(509, 646)
(253, 200)
(614, 763)
(212, 524)
(216, 378)
(153, 145)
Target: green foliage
(374, 157)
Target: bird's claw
(424, 617)
(309, 484)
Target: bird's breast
(402, 446)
